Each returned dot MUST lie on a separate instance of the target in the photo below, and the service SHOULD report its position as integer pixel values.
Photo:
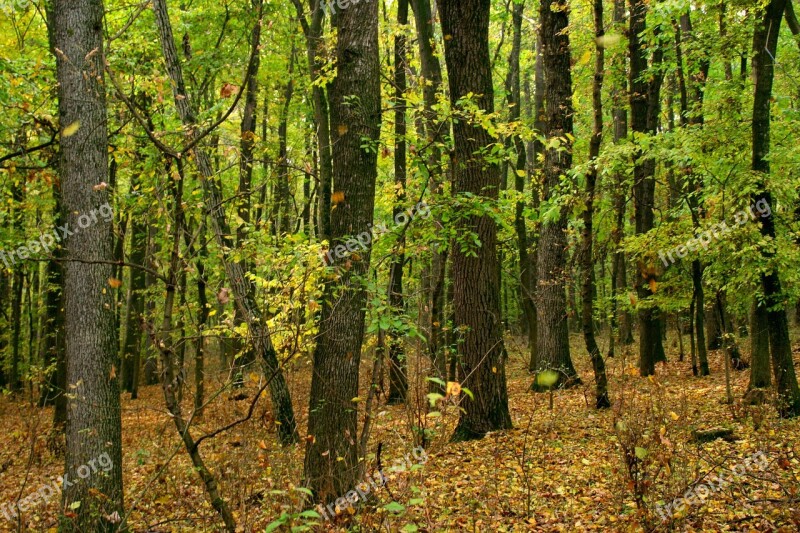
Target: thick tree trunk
(765, 47)
(551, 300)
(587, 263)
(398, 378)
(644, 102)
(332, 465)
(93, 422)
(476, 286)
(241, 286)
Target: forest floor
(557, 470)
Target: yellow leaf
(674, 415)
(653, 285)
(71, 129)
(337, 197)
(453, 388)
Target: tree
(551, 301)
(476, 285)
(331, 460)
(645, 105)
(93, 410)
(398, 371)
(587, 262)
(765, 48)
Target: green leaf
(641, 453)
(394, 507)
(547, 378)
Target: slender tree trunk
(132, 348)
(588, 287)
(93, 423)
(476, 287)
(513, 90)
(765, 47)
(398, 378)
(644, 102)
(258, 329)
(247, 131)
(312, 29)
(760, 380)
(331, 459)
(551, 305)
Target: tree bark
(551, 299)
(93, 424)
(765, 47)
(398, 378)
(331, 460)
(588, 286)
(645, 106)
(476, 286)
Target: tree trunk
(257, 326)
(513, 89)
(93, 423)
(644, 102)
(765, 48)
(312, 29)
(398, 378)
(476, 286)
(760, 380)
(551, 299)
(587, 287)
(132, 348)
(247, 131)
(331, 460)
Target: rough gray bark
(551, 299)
(431, 74)
(93, 409)
(476, 286)
(331, 460)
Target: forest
(399, 265)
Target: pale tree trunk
(476, 286)
(93, 408)
(332, 464)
